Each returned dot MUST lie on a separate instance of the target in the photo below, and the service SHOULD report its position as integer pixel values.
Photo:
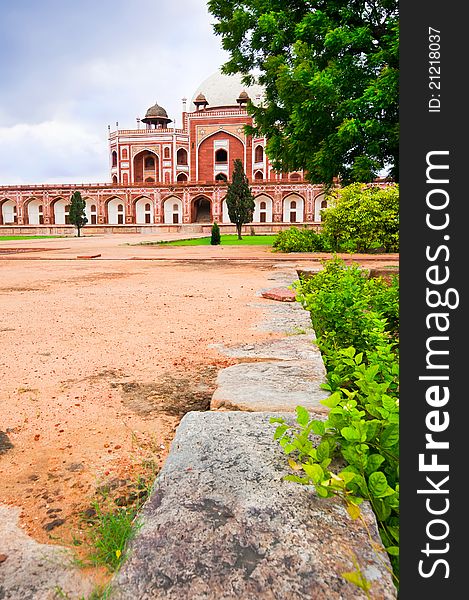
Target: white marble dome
(223, 90)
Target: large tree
(76, 213)
(239, 199)
(330, 72)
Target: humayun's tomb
(165, 177)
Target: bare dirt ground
(101, 358)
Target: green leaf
(318, 427)
(315, 472)
(281, 429)
(350, 434)
(393, 550)
(378, 484)
(322, 451)
(296, 479)
(390, 436)
(302, 416)
(332, 400)
(373, 463)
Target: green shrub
(295, 239)
(215, 238)
(362, 217)
(348, 309)
(356, 323)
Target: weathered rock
(284, 317)
(221, 524)
(280, 294)
(296, 347)
(35, 571)
(270, 386)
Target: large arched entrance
(201, 210)
(146, 167)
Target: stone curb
(221, 524)
(270, 386)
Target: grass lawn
(226, 240)
(27, 237)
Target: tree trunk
(78, 231)
(238, 228)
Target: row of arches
(144, 210)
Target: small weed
(110, 532)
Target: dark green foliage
(215, 237)
(239, 199)
(330, 71)
(77, 215)
(356, 323)
(297, 239)
(360, 217)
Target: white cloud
(60, 92)
(31, 153)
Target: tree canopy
(239, 199)
(330, 73)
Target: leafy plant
(355, 455)
(295, 239)
(362, 217)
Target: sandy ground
(101, 358)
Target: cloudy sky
(68, 68)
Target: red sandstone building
(163, 176)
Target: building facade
(161, 175)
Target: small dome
(244, 95)
(156, 114)
(200, 99)
(156, 111)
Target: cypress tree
(239, 199)
(77, 214)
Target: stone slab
(294, 347)
(270, 386)
(221, 524)
(283, 317)
(35, 571)
(280, 294)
